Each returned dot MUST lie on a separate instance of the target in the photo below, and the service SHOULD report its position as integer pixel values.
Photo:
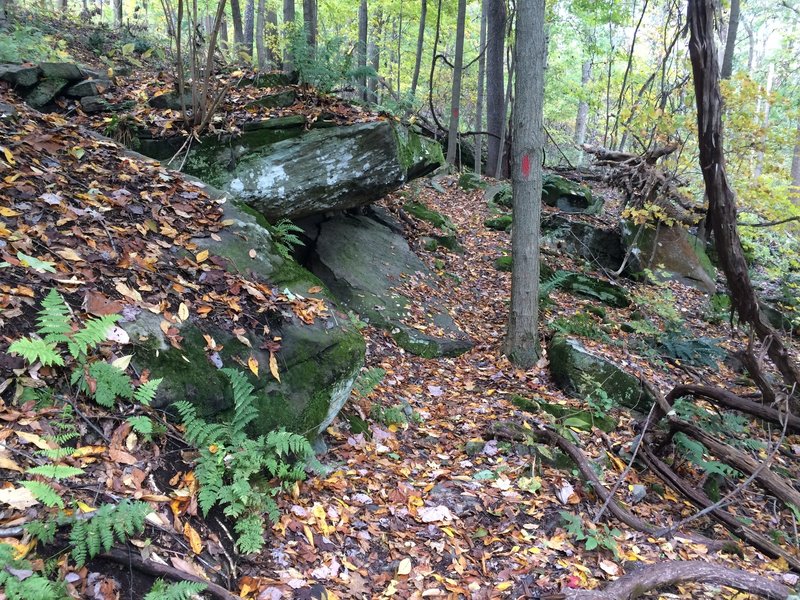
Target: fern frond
(182, 590)
(251, 534)
(44, 493)
(37, 349)
(145, 393)
(89, 537)
(44, 531)
(53, 321)
(110, 383)
(57, 453)
(94, 332)
(56, 471)
(243, 399)
(198, 433)
(555, 281)
(141, 424)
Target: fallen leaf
(201, 256)
(273, 366)
(252, 364)
(19, 498)
(34, 439)
(9, 464)
(404, 568)
(191, 535)
(435, 514)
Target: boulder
(604, 247)
(582, 373)
(20, 76)
(94, 104)
(362, 262)
(277, 100)
(568, 196)
(88, 87)
(501, 223)
(8, 112)
(317, 363)
(597, 289)
(327, 169)
(171, 101)
(61, 70)
(670, 252)
(45, 92)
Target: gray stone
(45, 92)
(362, 261)
(329, 169)
(94, 104)
(279, 100)
(603, 247)
(61, 70)
(580, 372)
(171, 101)
(569, 196)
(20, 76)
(7, 112)
(88, 87)
(289, 121)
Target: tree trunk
(495, 92)
(420, 38)
(63, 6)
(730, 42)
(363, 21)
(526, 177)
(399, 48)
(795, 189)
(236, 15)
(249, 15)
(455, 100)
(271, 37)
(259, 34)
(374, 52)
(583, 106)
(310, 22)
(481, 84)
(721, 200)
(117, 13)
(288, 22)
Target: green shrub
(20, 44)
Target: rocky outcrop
(363, 262)
(582, 373)
(42, 84)
(569, 196)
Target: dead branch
(132, 559)
(768, 223)
(672, 573)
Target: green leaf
(56, 471)
(591, 543)
(141, 424)
(34, 263)
(44, 493)
(111, 383)
(37, 350)
(145, 393)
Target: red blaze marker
(455, 113)
(526, 166)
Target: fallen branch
(768, 223)
(672, 573)
(128, 559)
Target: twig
(768, 223)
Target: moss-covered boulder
(363, 262)
(501, 223)
(317, 363)
(424, 213)
(569, 196)
(578, 238)
(582, 373)
(597, 289)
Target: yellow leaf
(252, 363)
(8, 212)
(34, 439)
(201, 256)
(309, 535)
(404, 568)
(88, 451)
(7, 463)
(504, 585)
(85, 508)
(183, 312)
(122, 362)
(314, 290)
(273, 366)
(193, 538)
(8, 155)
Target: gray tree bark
(495, 93)
(236, 15)
(794, 193)
(271, 33)
(730, 42)
(310, 22)
(288, 21)
(374, 52)
(455, 100)
(259, 35)
(526, 177)
(583, 106)
(420, 38)
(363, 20)
(249, 17)
(481, 84)
(117, 13)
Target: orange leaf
(273, 366)
(193, 538)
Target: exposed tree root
(667, 574)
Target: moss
(423, 213)
(413, 148)
(501, 223)
(504, 263)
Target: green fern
(368, 380)
(89, 537)
(555, 281)
(243, 410)
(93, 333)
(18, 580)
(284, 234)
(44, 531)
(37, 350)
(56, 471)
(141, 424)
(44, 493)
(57, 453)
(54, 320)
(110, 383)
(145, 393)
(183, 590)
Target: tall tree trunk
(526, 177)
(363, 21)
(499, 170)
(495, 92)
(582, 119)
(794, 193)
(4, 13)
(374, 51)
(399, 47)
(481, 84)
(271, 38)
(249, 15)
(224, 43)
(730, 42)
(721, 200)
(423, 13)
(310, 22)
(288, 22)
(261, 20)
(236, 15)
(117, 13)
(455, 100)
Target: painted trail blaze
(526, 166)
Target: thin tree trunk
(730, 42)
(499, 170)
(374, 52)
(455, 100)
(420, 38)
(288, 22)
(627, 73)
(495, 92)
(271, 38)
(118, 13)
(721, 200)
(399, 47)
(479, 100)
(4, 13)
(310, 22)
(765, 127)
(794, 192)
(224, 43)
(526, 177)
(236, 15)
(249, 15)
(259, 35)
(363, 21)
(582, 119)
